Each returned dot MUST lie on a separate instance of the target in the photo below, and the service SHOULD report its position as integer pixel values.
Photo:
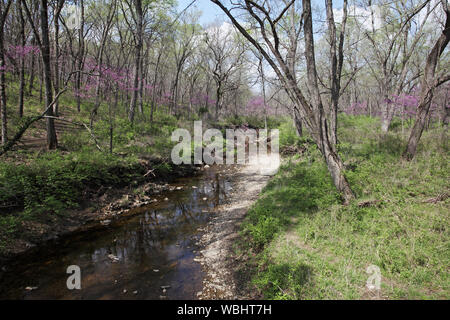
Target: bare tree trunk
(105, 33)
(3, 89)
(297, 123)
(312, 111)
(218, 100)
(80, 55)
(22, 59)
(137, 63)
(141, 87)
(155, 81)
(52, 142)
(337, 58)
(385, 119)
(428, 86)
(32, 72)
(57, 13)
(41, 80)
(334, 162)
(3, 14)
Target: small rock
(165, 287)
(124, 290)
(207, 167)
(179, 188)
(31, 288)
(155, 270)
(204, 199)
(166, 199)
(194, 187)
(135, 292)
(105, 222)
(113, 258)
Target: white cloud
(366, 17)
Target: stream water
(155, 248)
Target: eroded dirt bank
(222, 231)
(98, 207)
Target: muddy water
(155, 248)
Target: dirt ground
(217, 255)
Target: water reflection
(155, 248)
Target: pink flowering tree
(256, 106)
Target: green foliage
(302, 189)
(264, 229)
(312, 247)
(295, 277)
(288, 134)
(54, 182)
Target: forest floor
(36, 140)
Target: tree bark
(80, 55)
(428, 86)
(327, 147)
(137, 63)
(57, 13)
(52, 141)
(337, 58)
(3, 14)
(22, 59)
(312, 112)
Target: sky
(212, 13)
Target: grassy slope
(304, 245)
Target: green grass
(311, 247)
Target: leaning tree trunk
(428, 86)
(311, 111)
(321, 133)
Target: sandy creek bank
(219, 236)
(175, 244)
